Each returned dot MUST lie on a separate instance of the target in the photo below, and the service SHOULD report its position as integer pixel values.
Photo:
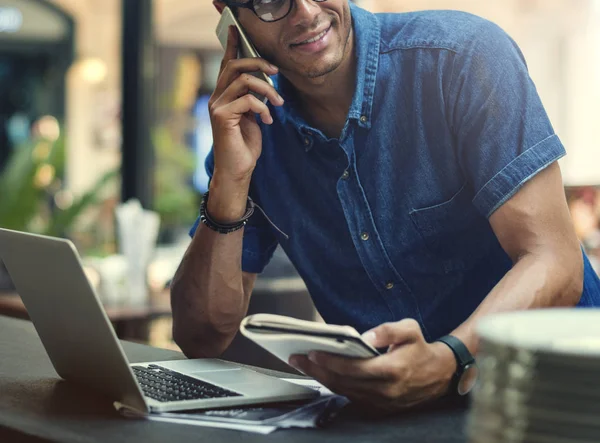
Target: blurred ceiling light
(11, 19)
(63, 199)
(44, 176)
(41, 151)
(48, 128)
(92, 69)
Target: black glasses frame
(250, 5)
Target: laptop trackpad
(233, 377)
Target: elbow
(187, 325)
(576, 284)
(573, 267)
(572, 295)
(200, 340)
(197, 331)
(191, 348)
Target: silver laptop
(83, 347)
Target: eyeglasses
(268, 10)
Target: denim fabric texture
(391, 220)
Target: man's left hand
(411, 372)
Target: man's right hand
(236, 134)
(210, 293)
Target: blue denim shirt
(391, 220)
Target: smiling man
(415, 171)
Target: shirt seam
(518, 186)
(546, 161)
(386, 258)
(449, 113)
(418, 46)
(509, 164)
(450, 200)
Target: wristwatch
(466, 368)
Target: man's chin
(320, 69)
(319, 73)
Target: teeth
(314, 39)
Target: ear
(219, 5)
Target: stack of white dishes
(539, 378)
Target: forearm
(207, 294)
(537, 280)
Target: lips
(312, 38)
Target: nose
(304, 13)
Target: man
(414, 169)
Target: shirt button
(363, 118)
(345, 175)
(364, 236)
(390, 285)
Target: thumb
(387, 334)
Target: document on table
(262, 420)
(310, 383)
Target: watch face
(468, 379)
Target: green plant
(174, 198)
(30, 183)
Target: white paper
(310, 383)
(257, 429)
(303, 416)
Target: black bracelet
(224, 228)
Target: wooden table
(35, 406)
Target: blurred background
(104, 101)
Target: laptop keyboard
(164, 385)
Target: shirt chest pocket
(454, 234)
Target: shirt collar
(366, 45)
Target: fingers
(361, 369)
(388, 334)
(234, 68)
(354, 388)
(246, 83)
(230, 99)
(322, 375)
(241, 106)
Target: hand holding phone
(237, 137)
(245, 47)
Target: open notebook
(286, 336)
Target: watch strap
(463, 356)
(461, 352)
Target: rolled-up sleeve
(503, 134)
(259, 242)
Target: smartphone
(246, 48)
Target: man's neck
(328, 95)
